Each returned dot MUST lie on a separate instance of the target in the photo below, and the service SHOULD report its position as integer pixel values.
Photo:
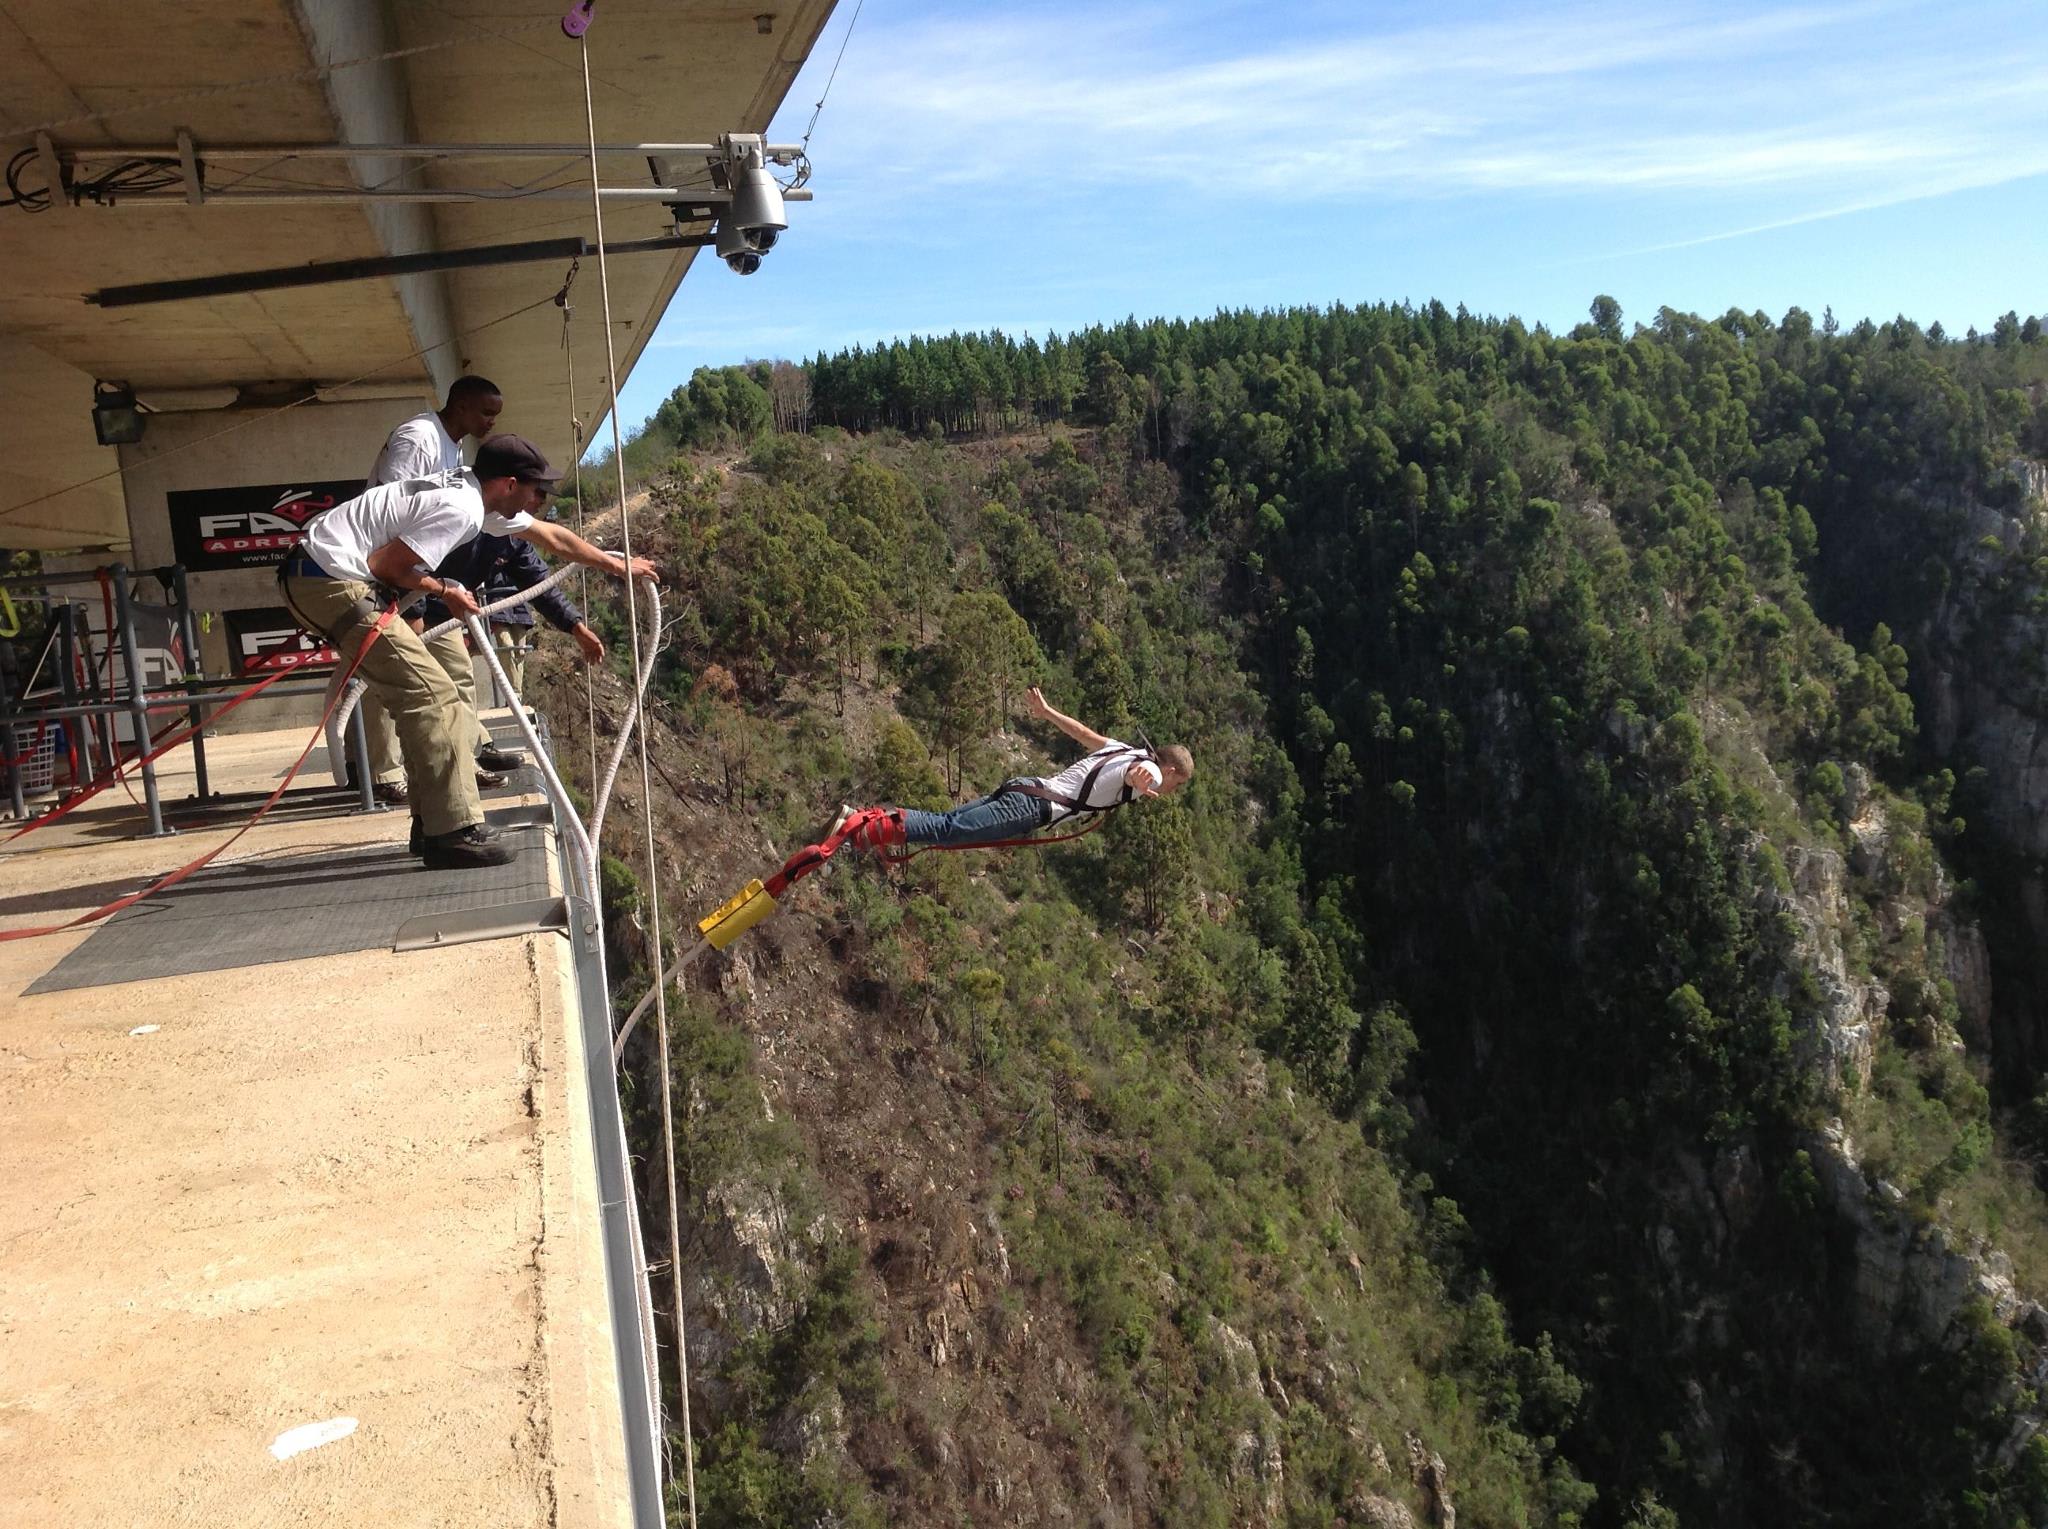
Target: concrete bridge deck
(355, 1186)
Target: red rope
(190, 866)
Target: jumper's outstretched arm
(571, 548)
(1087, 737)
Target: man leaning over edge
(380, 545)
(428, 445)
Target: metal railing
(195, 693)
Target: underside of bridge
(82, 79)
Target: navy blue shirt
(492, 567)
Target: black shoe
(489, 780)
(483, 833)
(466, 849)
(491, 757)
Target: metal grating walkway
(292, 907)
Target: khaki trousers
(413, 679)
(513, 644)
(380, 735)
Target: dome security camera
(741, 255)
(757, 204)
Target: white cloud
(2037, 166)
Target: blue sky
(1033, 167)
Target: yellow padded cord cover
(746, 909)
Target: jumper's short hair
(1179, 758)
(472, 386)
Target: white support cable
(583, 586)
(668, 1134)
(594, 832)
(586, 857)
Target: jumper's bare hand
(1040, 707)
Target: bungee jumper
(1110, 775)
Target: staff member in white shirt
(429, 445)
(385, 540)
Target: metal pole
(188, 629)
(87, 699)
(694, 196)
(327, 271)
(139, 702)
(780, 152)
(14, 770)
(67, 660)
(8, 702)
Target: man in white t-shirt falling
(1109, 775)
(429, 445)
(383, 543)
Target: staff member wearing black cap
(382, 544)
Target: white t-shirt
(419, 448)
(1121, 765)
(433, 516)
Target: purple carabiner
(577, 21)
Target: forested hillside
(1571, 1056)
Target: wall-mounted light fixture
(116, 419)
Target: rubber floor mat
(289, 907)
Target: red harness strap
(383, 620)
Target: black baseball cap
(514, 456)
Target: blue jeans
(1002, 815)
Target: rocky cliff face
(1910, 1281)
(1912, 1277)
(1844, 1036)
(1982, 686)
(1906, 1281)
